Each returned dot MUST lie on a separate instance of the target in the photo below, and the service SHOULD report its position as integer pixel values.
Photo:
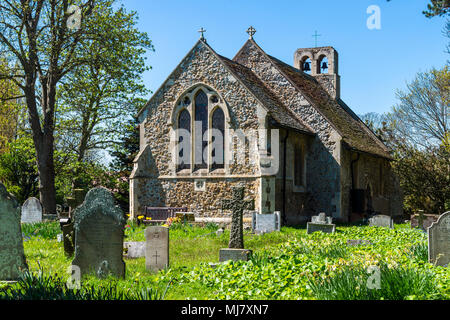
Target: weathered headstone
(133, 250)
(236, 245)
(265, 223)
(321, 223)
(99, 233)
(12, 255)
(439, 241)
(234, 254)
(31, 211)
(156, 248)
(381, 220)
(423, 221)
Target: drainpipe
(284, 176)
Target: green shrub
(419, 252)
(44, 230)
(396, 283)
(41, 286)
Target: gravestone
(12, 255)
(321, 223)
(133, 250)
(31, 211)
(264, 223)
(439, 241)
(234, 254)
(237, 204)
(423, 221)
(99, 233)
(381, 220)
(156, 248)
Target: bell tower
(322, 64)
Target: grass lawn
(286, 265)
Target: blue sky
(373, 64)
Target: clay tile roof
(279, 112)
(354, 132)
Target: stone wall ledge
(189, 177)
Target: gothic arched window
(201, 126)
(184, 140)
(218, 136)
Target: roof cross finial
(251, 31)
(202, 31)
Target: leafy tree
(11, 110)
(127, 149)
(417, 130)
(124, 153)
(424, 178)
(48, 39)
(96, 99)
(436, 8)
(422, 118)
(18, 170)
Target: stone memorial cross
(237, 205)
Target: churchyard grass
(286, 265)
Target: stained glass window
(184, 149)
(218, 150)
(201, 119)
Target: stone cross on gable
(237, 205)
(202, 31)
(251, 32)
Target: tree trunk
(43, 141)
(46, 169)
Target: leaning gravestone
(237, 204)
(156, 248)
(321, 223)
(265, 223)
(12, 256)
(31, 211)
(381, 220)
(99, 233)
(439, 241)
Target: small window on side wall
(299, 162)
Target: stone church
(281, 131)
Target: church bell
(306, 67)
(324, 65)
